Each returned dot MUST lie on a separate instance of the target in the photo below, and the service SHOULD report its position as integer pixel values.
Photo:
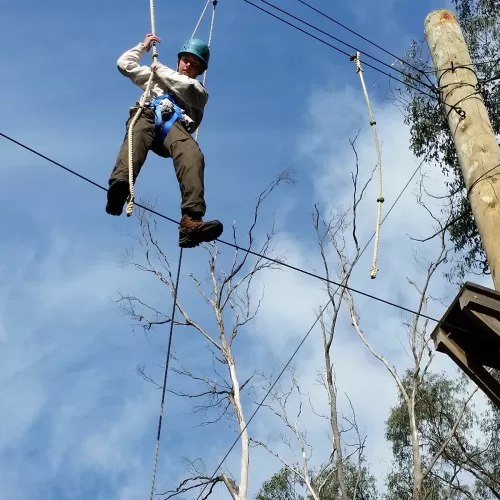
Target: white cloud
(67, 372)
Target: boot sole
(117, 196)
(193, 239)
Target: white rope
(130, 204)
(201, 18)
(380, 199)
(212, 23)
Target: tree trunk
(415, 441)
(334, 424)
(236, 402)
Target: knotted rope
(380, 199)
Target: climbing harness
(380, 198)
(176, 115)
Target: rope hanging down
(129, 212)
(157, 449)
(380, 199)
(130, 204)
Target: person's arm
(128, 62)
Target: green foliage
(281, 486)
(357, 479)
(437, 404)
(430, 134)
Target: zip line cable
(429, 86)
(360, 36)
(424, 72)
(471, 65)
(243, 249)
(452, 107)
(339, 285)
(343, 51)
(310, 330)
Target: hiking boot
(193, 231)
(117, 196)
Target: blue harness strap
(176, 115)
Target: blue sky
(78, 422)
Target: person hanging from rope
(173, 111)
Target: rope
(324, 42)
(130, 203)
(155, 462)
(296, 18)
(130, 135)
(248, 250)
(212, 23)
(201, 19)
(380, 199)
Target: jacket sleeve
(128, 65)
(191, 93)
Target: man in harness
(173, 111)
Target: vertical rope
(210, 36)
(153, 26)
(155, 461)
(130, 135)
(380, 199)
(130, 203)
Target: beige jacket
(189, 94)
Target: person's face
(190, 65)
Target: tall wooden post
(476, 146)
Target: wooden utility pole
(477, 149)
(469, 332)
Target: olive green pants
(189, 162)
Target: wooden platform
(470, 335)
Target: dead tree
(421, 355)
(333, 233)
(233, 307)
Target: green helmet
(198, 48)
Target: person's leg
(189, 164)
(143, 137)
